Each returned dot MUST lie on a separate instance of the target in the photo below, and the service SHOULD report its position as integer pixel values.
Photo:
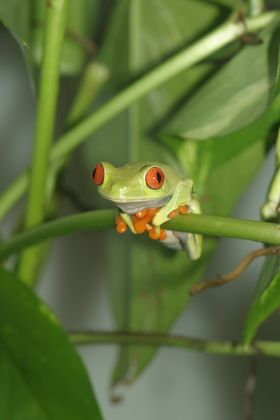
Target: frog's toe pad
(156, 234)
(141, 220)
(183, 209)
(121, 226)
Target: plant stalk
(48, 93)
(104, 219)
(225, 348)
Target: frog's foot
(184, 209)
(121, 226)
(141, 220)
(142, 223)
(156, 233)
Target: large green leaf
(16, 16)
(267, 299)
(236, 96)
(156, 29)
(202, 158)
(41, 375)
(233, 4)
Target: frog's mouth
(137, 205)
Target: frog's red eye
(97, 175)
(154, 178)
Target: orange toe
(162, 235)
(142, 213)
(153, 234)
(184, 209)
(140, 225)
(121, 226)
(173, 214)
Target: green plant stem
(252, 230)
(183, 60)
(226, 348)
(256, 7)
(94, 77)
(104, 219)
(13, 193)
(46, 111)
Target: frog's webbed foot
(179, 203)
(156, 233)
(142, 222)
(182, 209)
(142, 219)
(121, 226)
(190, 243)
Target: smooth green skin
(127, 186)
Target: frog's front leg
(179, 202)
(182, 201)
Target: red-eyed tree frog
(149, 194)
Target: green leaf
(236, 95)
(157, 29)
(233, 4)
(41, 376)
(267, 298)
(16, 16)
(207, 161)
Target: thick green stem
(256, 7)
(183, 60)
(104, 219)
(46, 111)
(226, 348)
(252, 230)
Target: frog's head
(132, 183)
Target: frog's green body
(146, 185)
